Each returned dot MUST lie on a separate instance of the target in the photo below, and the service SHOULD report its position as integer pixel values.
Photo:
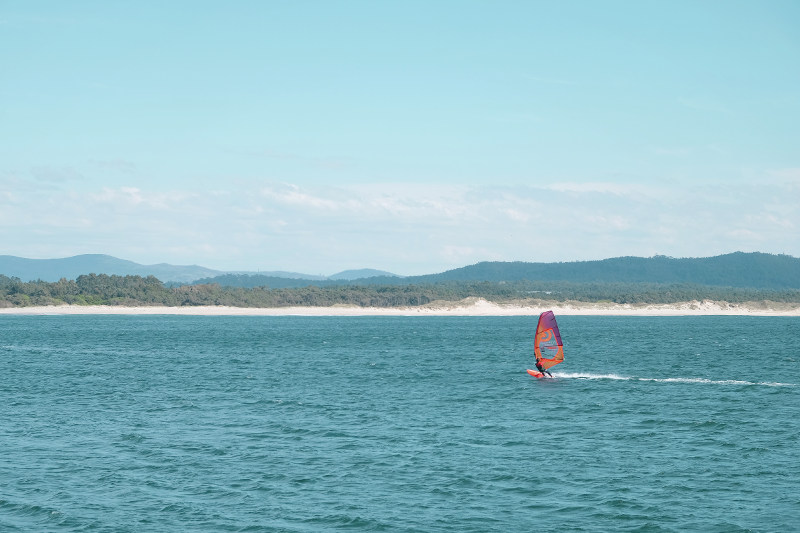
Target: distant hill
(348, 277)
(249, 281)
(740, 270)
(743, 270)
(282, 274)
(72, 267)
(363, 273)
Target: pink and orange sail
(547, 346)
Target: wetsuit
(542, 370)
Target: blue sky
(414, 137)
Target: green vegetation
(103, 289)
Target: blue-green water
(157, 423)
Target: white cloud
(406, 228)
(292, 195)
(617, 189)
(787, 177)
(125, 196)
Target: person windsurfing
(548, 350)
(541, 369)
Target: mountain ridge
(737, 269)
(74, 266)
(71, 267)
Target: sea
(312, 424)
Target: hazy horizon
(410, 137)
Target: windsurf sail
(547, 346)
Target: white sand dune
(467, 307)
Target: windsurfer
(548, 350)
(541, 369)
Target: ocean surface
(250, 424)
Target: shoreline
(469, 307)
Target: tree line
(102, 289)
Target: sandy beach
(469, 307)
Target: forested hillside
(742, 270)
(753, 270)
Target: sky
(407, 136)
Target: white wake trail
(589, 375)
